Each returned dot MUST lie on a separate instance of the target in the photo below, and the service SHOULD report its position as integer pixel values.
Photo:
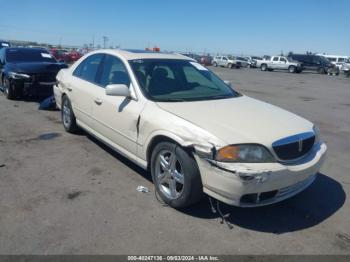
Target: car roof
(133, 54)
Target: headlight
(19, 75)
(317, 134)
(247, 153)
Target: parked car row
(65, 56)
(293, 63)
(172, 116)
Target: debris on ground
(73, 195)
(224, 217)
(48, 104)
(142, 189)
(48, 136)
(2, 165)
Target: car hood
(35, 67)
(240, 120)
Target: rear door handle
(98, 101)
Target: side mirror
(228, 83)
(118, 90)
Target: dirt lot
(68, 194)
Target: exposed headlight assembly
(15, 75)
(244, 153)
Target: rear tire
(175, 175)
(68, 117)
(321, 70)
(215, 64)
(263, 67)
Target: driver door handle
(98, 101)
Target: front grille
(294, 147)
(45, 77)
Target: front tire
(229, 65)
(175, 175)
(9, 90)
(291, 69)
(215, 64)
(68, 117)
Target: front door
(116, 117)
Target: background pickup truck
(281, 63)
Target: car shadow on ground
(119, 157)
(307, 209)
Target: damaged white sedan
(194, 133)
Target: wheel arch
(159, 137)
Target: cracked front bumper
(258, 184)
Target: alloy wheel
(169, 174)
(66, 114)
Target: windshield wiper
(172, 100)
(220, 97)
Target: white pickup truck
(281, 63)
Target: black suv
(27, 72)
(316, 63)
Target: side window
(275, 58)
(113, 72)
(224, 58)
(341, 60)
(316, 60)
(308, 59)
(87, 70)
(282, 59)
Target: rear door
(81, 88)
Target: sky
(249, 27)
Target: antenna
(105, 41)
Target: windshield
(28, 55)
(178, 80)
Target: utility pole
(93, 41)
(105, 41)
